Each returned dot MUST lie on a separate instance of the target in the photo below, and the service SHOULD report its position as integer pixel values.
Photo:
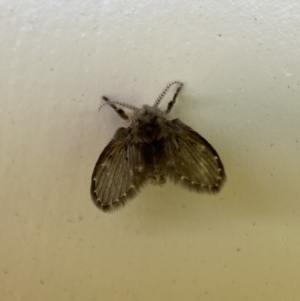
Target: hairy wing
(119, 172)
(191, 160)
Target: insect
(151, 149)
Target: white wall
(239, 61)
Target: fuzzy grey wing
(191, 160)
(119, 173)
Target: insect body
(153, 148)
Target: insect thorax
(147, 124)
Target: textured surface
(239, 61)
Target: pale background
(239, 61)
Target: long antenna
(122, 104)
(165, 90)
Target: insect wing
(191, 160)
(119, 172)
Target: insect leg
(172, 102)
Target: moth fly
(153, 148)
